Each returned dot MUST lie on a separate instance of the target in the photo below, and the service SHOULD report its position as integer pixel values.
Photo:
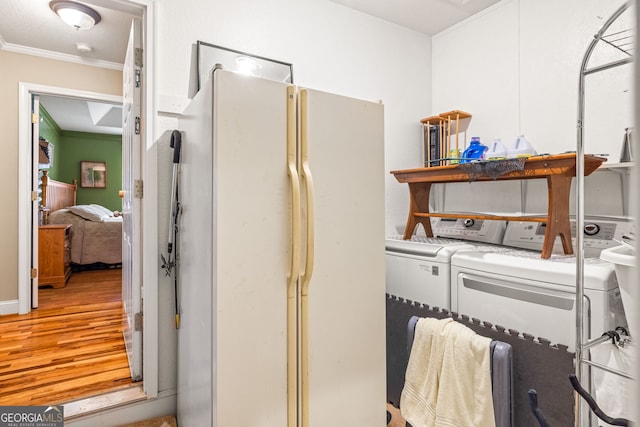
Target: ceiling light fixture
(76, 15)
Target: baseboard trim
(8, 307)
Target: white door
(35, 149)
(131, 203)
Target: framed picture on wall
(93, 174)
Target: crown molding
(10, 47)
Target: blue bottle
(474, 151)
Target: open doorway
(88, 262)
(79, 172)
(26, 190)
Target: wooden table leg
(558, 223)
(418, 203)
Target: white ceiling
(425, 16)
(30, 26)
(83, 116)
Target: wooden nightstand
(54, 255)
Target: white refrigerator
(281, 275)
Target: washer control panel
(477, 230)
(599, 233)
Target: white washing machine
(519, 290)
(419, 269)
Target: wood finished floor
(70, 347)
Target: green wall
(71, 148)
(50, 131)
(81, 147)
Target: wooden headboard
(57, 195)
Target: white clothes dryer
(517, 289)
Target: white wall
(332, 48)
(515, 68)
(475, 70)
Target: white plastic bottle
(497, 151)
(520, 148)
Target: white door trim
(150, 344)
(149, 239)
(25, 172)
(35, 209)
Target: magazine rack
(436, 138)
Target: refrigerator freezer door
(234, 255)
(252, 244)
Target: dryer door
(540, 309)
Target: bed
(96, 233)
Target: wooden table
(558, 170)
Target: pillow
(101, 209)
(88, 212)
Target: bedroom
(77, 152)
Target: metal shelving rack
(622, 42)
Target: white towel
(613, 393)
(448, 378)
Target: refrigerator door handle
(309, 258)
(294, 177)
(308, 180)
(294, 272)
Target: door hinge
(137, 322)
(137, 126)
(34, 196)
(138, 188)
(34, 273)
(138, 57)
(35, 118)
(137, 78)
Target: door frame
(149, 240)
(27, 90)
